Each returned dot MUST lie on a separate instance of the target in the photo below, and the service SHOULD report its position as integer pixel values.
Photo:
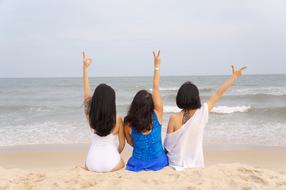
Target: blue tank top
(148, 146)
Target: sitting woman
(184, 139)
(108, 134)
(143, 127)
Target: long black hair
(188, 97)
(102, 113)
(140, 112)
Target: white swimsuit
(103, 154)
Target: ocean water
(50, 111)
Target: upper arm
(171, 122)
(120, 127)
(86, 105)
(158, 104)
(127, 132)
(87, 99)
(213, 101)
(159, 116)
(219, 93)
(121, 135)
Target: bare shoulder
(175, 117)
(175, 121)
(172, 119)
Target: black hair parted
(139, 115)
(188, 97)
(102, 113)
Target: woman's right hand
(86, 60)
(157, 59)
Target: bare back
(178, 119)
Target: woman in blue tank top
(143, 127)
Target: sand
(60, 167)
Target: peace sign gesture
(237, 73)
(86, 60)
(157, 59)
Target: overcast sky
(44, 38)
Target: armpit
(86, 104)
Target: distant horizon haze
(45, 38)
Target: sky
(45, 38)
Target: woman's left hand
(237, 72)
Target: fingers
(158, 54)
(83, 54)
(232, 67)
(242, 68)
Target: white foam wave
(167, 89)
(48, 132)
(275, 91)
(177, 88)
(218, 109)
(229, 110)
(171, 109)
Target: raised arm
(224, 87)
(158, 104)
(86, 89)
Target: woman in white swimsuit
(108, 138)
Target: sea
(50, 110)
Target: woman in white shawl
(184, 139)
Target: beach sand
(61, 167)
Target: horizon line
(128, 76)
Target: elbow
(130, 143)
(121, 147)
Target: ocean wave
(46, 132)
(236, 109)
(254, 97)
(276, 111)
(203, 89)
(274, 91)
(34, 108)
(171, 109)
(229, 109)
(206, 89)
(166, 89)
(218, 109)
(26, 108)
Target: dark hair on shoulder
(102, 112)
(188, 97)
(139, 115)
